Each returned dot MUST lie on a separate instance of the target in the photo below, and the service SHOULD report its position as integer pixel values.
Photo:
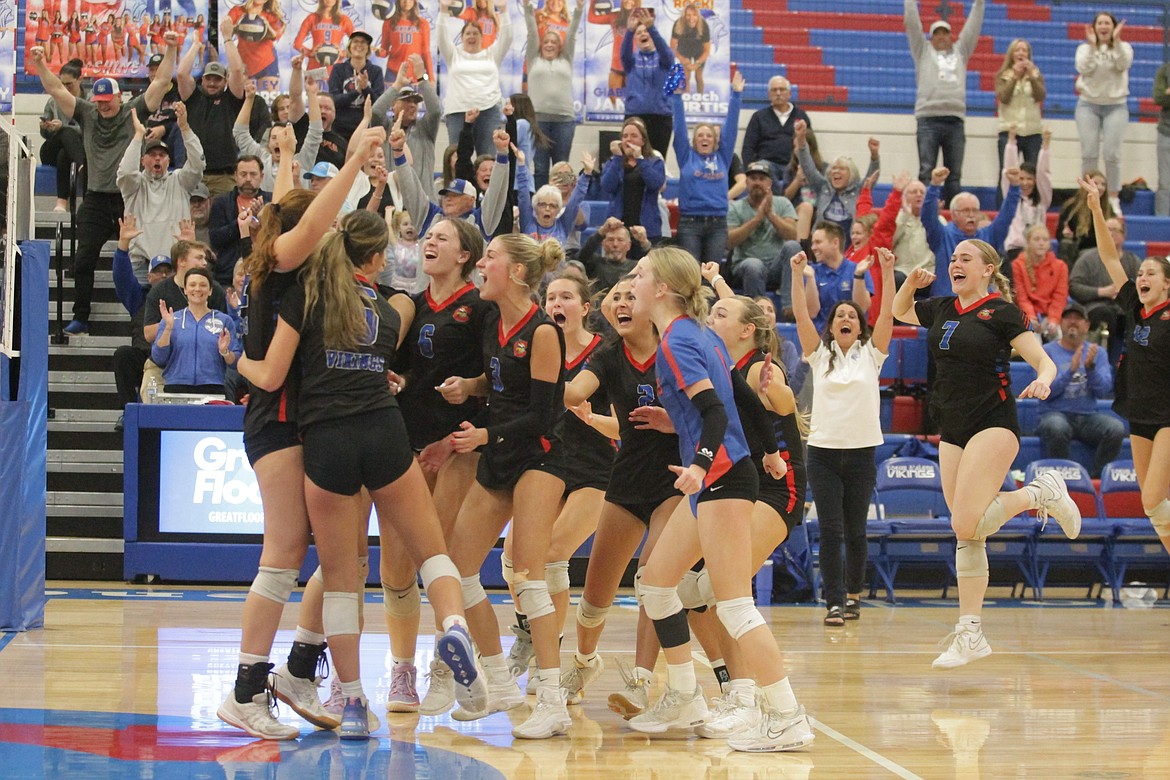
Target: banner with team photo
(111, 37)
(8, 17)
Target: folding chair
(1092, 546)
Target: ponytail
(275, 220)
(992, 258)
(538, 258)
(679, 271)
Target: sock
(971, 622)
(302, 659)
(353, 690)
(642, 673)
(548, 678)
(453, 620)
(681, 677)
(585, 659)
(308, 637)
(744, 689)
(722, 676)
(403, 661)
(779, 696)
(247, 659)
(496, 667)
(522, 622)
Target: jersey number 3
(948, 329)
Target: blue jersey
(689, 353)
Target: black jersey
(1142, 390)
(785, 426)
(972, 348)
(580, 454)
(641, 470)
(507, 362)
(339, 383)
(445, 339)
(259, 309)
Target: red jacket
(1047, 296)
(882, 236)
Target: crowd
(450, 351)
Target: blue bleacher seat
(910, 503)
(1134, 540)
(1093, 547)
(1142, 228)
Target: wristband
(501, 158)
(718, 278)
(859, 277)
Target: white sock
(308, 637)
(779, 696)
(403, 661)
(548, 678)
(971, 622)
(642, 673)
(247, 659)
(353, 690)
(681, 677)
(744, 690)
(496, 666)
(586, 659)
(453, 620)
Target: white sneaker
(335, 705)
(301, 695)
(521, 653)
(732, 714)
(454, 648)
(441, 692)
(574, 680)
(503, 694)
(549, 717)
(963, 645)
(675, 710)
(775, 732)
(256, 717)
(1056, 502)
(632, 699)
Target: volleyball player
(971, 335)
(288, 231)
(578, 454)
(1142, 393)
(701, 396)
(354, 437)
(523, 381)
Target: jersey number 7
(948, 328)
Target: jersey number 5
(948, 328)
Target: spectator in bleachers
(1041, 283)
(837, 279)
(200, 202)
(544, 214)
(836, 190)
(941, 104)
(1019, 92)
(874, 230)
(194, 344)
(910, 244)
(632, 178)
(1070, 411)
(612, 252)
(352, 81)
(704, 163)
(212, 110)
(269, 155)
(761, 231)
(1102, 113)
(1162, 98)
(562, 176)
(247, 195)
(1035, 191)
(473, 76)
(647, 59)
(549, 60)
(1090, 285)
(771, 131)
(158, 198)
(105, 133)
(964, 224)
(403, 97)
(62, 146)
(1075, 227)
(161, 125)
(185, 255)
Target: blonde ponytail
(679, 271)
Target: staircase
(84, 499)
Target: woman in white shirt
(844, 364)
(473, 75)
(1103, 63)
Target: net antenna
(19, 173)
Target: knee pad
(688, 591)
(318, 576)
(638, 586)
(473, 592)
(435, 567)
(590, 616)
(339, 613)
(992, 520)
(706, 589)
(533, 599)
(556, 574)
(971, 558)
(660, 603)
(507, 571)
(1160, 517)
(274, 584)
(402, 603)
(739, 616)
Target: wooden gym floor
(125, 683)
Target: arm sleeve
(1085, 60)
(752, 412)
(532, 45)
(714, 427)
(244, 140)
(496, 197)
(571, 36)
(1101, 379)
(666, 54)
(224, 231)
(307, 156)
(1063, 375)
(682, 142)
(653, 172)
(128, 179)
(1060, 294)
(998, 229)
(627, 51)
(414, 198)
(538, 419)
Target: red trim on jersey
(569, 366)
(454, 297)
(789, 480)
(1147, 314)
(642, 367)
(976, 305)
(743, 361)
(670, 361)
(506, 337)
(720, 465)
(282, 409)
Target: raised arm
(532, 45)
(903, 301)
(129, 182)
(805, 330)
(307, 155)
(883, 329)
(913, 24)
(503, 42)
(236, 78)
(971, 29)
(161, 84)
(191, 174)
(51, 84)
(567, 51)
(414, 198)
(183, 78)
(496, 197)
(296, 88)
(1109, 251)
(283, 183)
(241, 131)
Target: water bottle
(152, 390)
(1138, 595)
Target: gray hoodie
(942, 76)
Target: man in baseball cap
(319, 175)
(457, 198)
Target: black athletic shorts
(500, 468)
(642, 510)
(578, 469)
(1003, 416)
(782, 493)
(1146, 430)
(271, 437)
(363, 450)
(740, 481)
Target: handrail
(58, 336)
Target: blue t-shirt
(689, 353)
(833, 286)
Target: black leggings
(61, 149)
(842, 483)
(659, 127)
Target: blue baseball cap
(158, 260)
(459, 187)
(322, 170)
(106, 89)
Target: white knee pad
(507, 571)
(638, 586)
(590, 616)
(435, 567)
(402, 603)
(473, 592)
(274, 584)
(739, 616)
(688, 591)
(339, 613)
(971, 558)
(992, 520)
(660, 603)
(706, 589)
(556, 574)
(318, 576)
(533, 599)
(1160, 517)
